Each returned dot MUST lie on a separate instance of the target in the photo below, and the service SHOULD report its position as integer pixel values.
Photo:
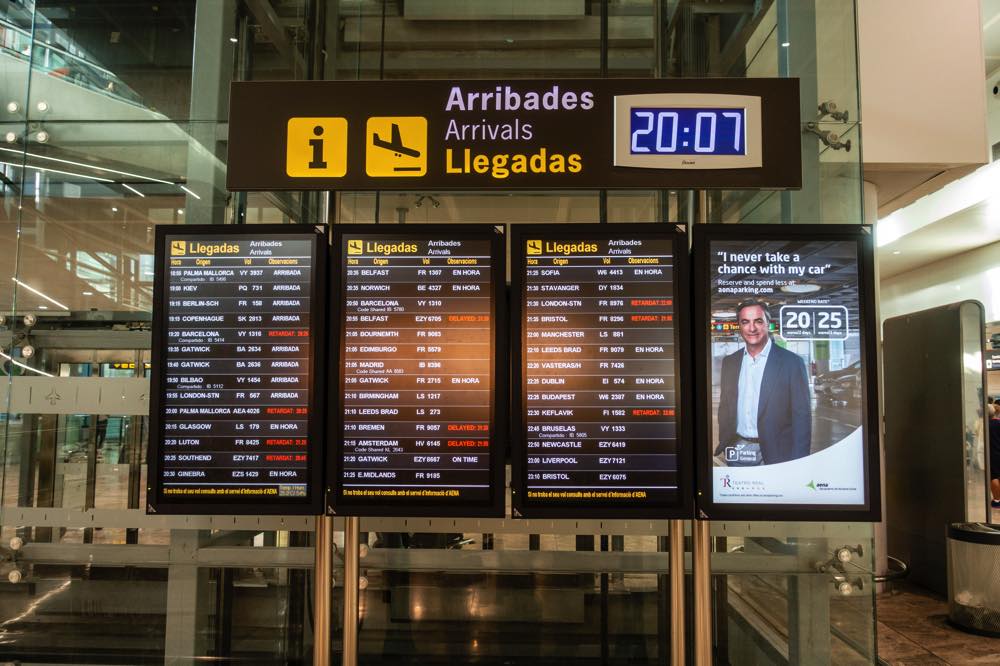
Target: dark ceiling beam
(270, 24)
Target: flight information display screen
(598, 362)
(420, 367)
(236, 370)
(786, 329)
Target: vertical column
(211, 74)
(797, 58)
(809, 607)
(46, 469)
(677, 593)
(187, 600)
(322, 584)
(352, 555)
(702, 571)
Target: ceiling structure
(278, 41)
(949, 213)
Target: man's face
(753, 326)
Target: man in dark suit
(765, 413)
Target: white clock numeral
(738, 117)
(698, 148)
(636, 148)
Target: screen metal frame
(863, 236)
(522, 507)
(408, 507)
(312, 504)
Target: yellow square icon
(355, 247)
(396, 146)
(177, 248)
(534, 247)
(316, 148)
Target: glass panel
(125, 129)
(513, 602)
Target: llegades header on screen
(530, 134)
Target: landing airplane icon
(396, 144)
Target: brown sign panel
(517, 134)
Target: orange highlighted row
(285, 442)
(461, 443)
(654, 412)
(470, 318)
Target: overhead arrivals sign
(535, 134)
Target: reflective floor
(913, 629)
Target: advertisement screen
(418, 329)
(236, 417)
(788, 376)
(598, 389)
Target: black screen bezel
(522, 508)
(312, 504)
(337, 504)
(863, 236)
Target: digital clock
(688, 131)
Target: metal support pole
(702, 570)
(677, 593)
(322, 585)
(352, 533)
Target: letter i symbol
(317, 149)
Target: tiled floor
(913, 630)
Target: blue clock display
(687, 131)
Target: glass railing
(60, 63)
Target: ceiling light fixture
(132, 189)
(13, 107)
(42, 106)
(91, 166)
(42, 136)
(233, 40)
(67, 173)
(88, 293)
(35, 291)
(190, 192)
(11, 137)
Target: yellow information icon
(316, 148)
(355, 247)
(534, 247)
(177, 248)
(396, 146)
